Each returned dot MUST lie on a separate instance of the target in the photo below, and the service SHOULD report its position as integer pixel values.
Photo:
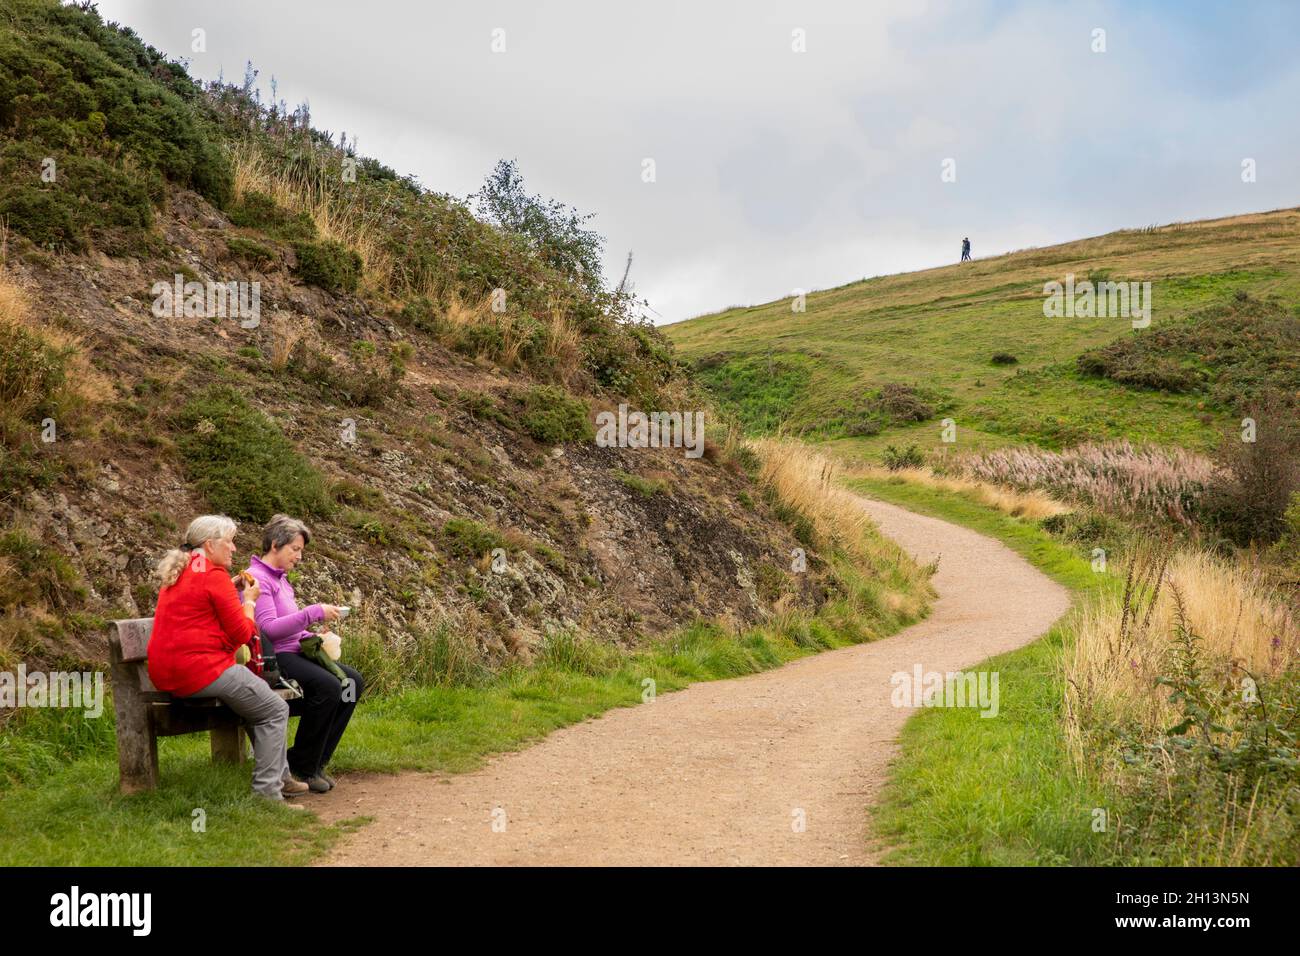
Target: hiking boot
(292, 787)
(317, 784)
(328, 779)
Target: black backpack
(271, 669)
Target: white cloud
(779, 169)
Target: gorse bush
(257, 210)
(242, 463)
(90, 198)
(329, 265)
(1249, 495)
(891, 404)
(116, 117)
(553, 416)
(896, 458)
(1234, 353)
(251, 252)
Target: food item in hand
(243, 579)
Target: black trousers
(325, 712)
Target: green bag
(311, 649)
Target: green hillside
(885, 360)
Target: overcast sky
(776, 169)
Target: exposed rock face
(572, 539)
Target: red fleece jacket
(197, 628)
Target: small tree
(1249, 499)
(555, 231)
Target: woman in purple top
(328, 702)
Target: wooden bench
(144, 713)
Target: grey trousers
(268, 716)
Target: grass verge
(968, 791)
(1108, 774)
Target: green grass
(971, 791)
(76, 817)
(645, 487)
(940, 328)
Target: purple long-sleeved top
(276, 614)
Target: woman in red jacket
(200, 622)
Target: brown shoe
(293, 787)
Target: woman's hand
(252, 592)
(331, 612)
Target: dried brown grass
(1033, 505)
(1123, 641)
(83, 382)
(286, 332)
(333, 218)
(809, 482)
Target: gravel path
(774, 768)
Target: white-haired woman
(200, 622)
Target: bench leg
(137, 746)
(228, 744)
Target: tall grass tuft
(443, 655)
(308, 193)
(1123, 642)
(573, 652)
(876, 577)
(1116, 476)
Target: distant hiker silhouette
(965, 250)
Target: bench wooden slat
(144, 713)
(132, 638)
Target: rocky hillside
(417, 383)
